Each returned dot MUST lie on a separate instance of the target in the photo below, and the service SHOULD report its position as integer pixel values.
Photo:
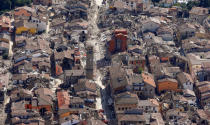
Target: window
(131, 5)
(118, 108)
(118, 46)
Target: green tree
(205, 3)
(11, 4)
(191, 4)
(140, 69)
(5, 56)
(155, 1)
(5, 5)
(22, 2)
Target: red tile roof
(59, 70)
(63, 99)
(148, 78)
(22, 12)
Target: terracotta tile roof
(63, 99)
(22, 12)
(148, 78)
(58, 70)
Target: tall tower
(90, 64)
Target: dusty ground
(95, 42)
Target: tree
(22, 2)
(5, 5)
(155, 1)
(11, 4)
(205, 3)
(5, 56)
(140, 69)
(191, 4)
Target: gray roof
(126, 99)
(131, 117)
(118, 76)
(74, 72)
(84, 84)
(148, 102)
(183, 77)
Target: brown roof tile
(148, 78)
(84, 84)
(199, 11)
(131, 117)
(184, 77)
(63, 99)
(22, 12)
(127, 98)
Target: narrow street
(95, 42)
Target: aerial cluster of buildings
(159, 63)
(43, 79)
(121, 62)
